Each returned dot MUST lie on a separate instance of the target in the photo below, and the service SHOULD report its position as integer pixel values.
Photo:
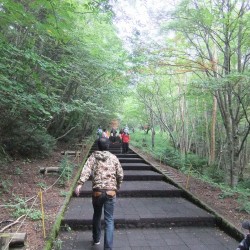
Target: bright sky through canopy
(141, 17)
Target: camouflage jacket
(107, 172)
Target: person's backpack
(99, 132)
(113, 132)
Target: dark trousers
(125, 147)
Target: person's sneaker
(96, 243)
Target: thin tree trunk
(213, 126)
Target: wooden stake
(42, 210)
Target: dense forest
(65, 69)
(61, 75)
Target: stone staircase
(150, 213)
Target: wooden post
(4, 243)
(42, 210)
(49, 170)
(12, 240)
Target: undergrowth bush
(173, 158)
(244, 202)
(197, 163)
(20, 207)
(29, 142)
(66, 170)
(214, 173)
(245, 184)
(243, 188)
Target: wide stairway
(150, 213)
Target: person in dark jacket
(107, 176)
(245, 243)
(113, 133)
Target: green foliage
(18, 171)
(65, 169)
(67, 228)
(197, 163)
(214, 173)
(53, 80)
(6, 184)
(63, 193)
(243, 188)
(29, 141)
(244, 185)
(244, 202)
(226, 194)
(57, 244)
(42, 185)
(20, 207)
(173, 158)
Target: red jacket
(125, 138)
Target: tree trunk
(213, 126)
(153, 137)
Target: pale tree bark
(213, 135)
(230, 33)
(183, 140)
(152, 128)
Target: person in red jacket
(125, 141)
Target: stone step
(112, 146)
(141, 175)
(131, 160)
(140, 212)
(113, 151)
(136, 166)
(139, 189)
(188, 238)
(131, 155)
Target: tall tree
(222, 25)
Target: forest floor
(20, 181)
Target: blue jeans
(109, 203)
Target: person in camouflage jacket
(107, 176)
